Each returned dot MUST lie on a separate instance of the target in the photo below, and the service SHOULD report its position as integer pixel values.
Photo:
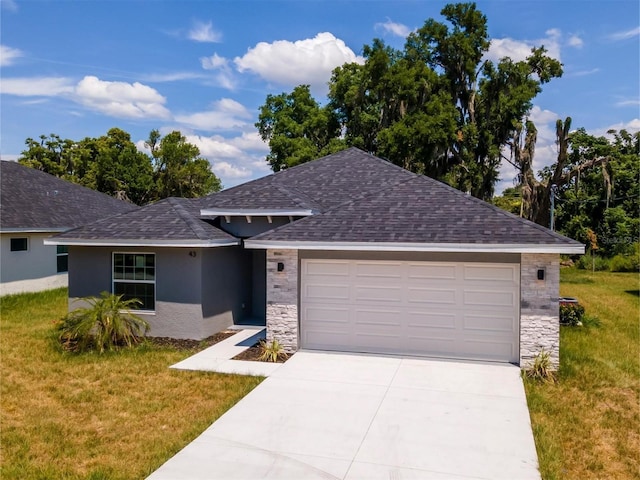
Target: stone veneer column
(282, 298)
(539, 311)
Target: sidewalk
(217, 358)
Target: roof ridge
(301, 199)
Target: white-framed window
(62, 258)
(134, 276)
(20, 244)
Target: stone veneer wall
(539, 311)
(282, 298)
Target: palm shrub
(106, 324)
(272, 351)
(541, 369)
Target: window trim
(114, 280)
(27, 242)
(63, 254)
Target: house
(348, 252)
(33, 206)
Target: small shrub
(272, 351)
(105, 325)
(592, 262)
(624, 263)
(571, 314)
(541, 369)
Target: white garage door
(456, 310)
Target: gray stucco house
(33, 206)
(348, 253)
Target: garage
(462, 310)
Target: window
(62, 258)
(19, 244)
(134, 276)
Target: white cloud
(575, 41)
(626, 34)
(632, 126)
(308, 61)
(397, 29)
(171, 77)
(225, 114)
(204, 33)
(36, 86)
(8, 55)
(121, 99)
(582, 73)
(223, 76)
(519, 50)
(628, 103)
(214, 62)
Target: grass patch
(118, 415)
(587, 425)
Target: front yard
(587, 426)
(112, 416)
(121, 415)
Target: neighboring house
(33, 206)
(348, 252)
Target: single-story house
(347, 252)
(33, 206)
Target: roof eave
(569, 248)
(81, 242)
(35, 230)
(255, 212)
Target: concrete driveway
(348, 416)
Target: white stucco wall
(31, 270)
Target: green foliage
(112, 164)
(437, 107)
(541, 369)
(106, 324)
(510, 200)
(271, 351)
(571, 314)
(626, 263)
(593, 262)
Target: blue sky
(79, 68)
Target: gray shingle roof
(168, 220)
(418, 210)
(318, 185)
(34, 200)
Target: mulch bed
(184, 344)
(253, 354)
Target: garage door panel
(421, 320)
(488, 297)
(318, 313)
(329, 292)
(421, 271)
(378, 270)
(458, 310)
(489, 323)
(324, 268)
(378, 294)
(491, 273)
(365, 318)
(431, 295)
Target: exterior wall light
(192, 253)
(541, 274)
(280, 266)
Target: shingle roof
(172, 220)
(318, 185)
(34, 200)
(418, 210)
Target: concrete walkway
(346, 416)
(217, 358)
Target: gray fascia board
(254, 212)
(35, 230)
(418, 247)
(141, 243)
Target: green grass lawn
(587, 425)
(113, 416)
